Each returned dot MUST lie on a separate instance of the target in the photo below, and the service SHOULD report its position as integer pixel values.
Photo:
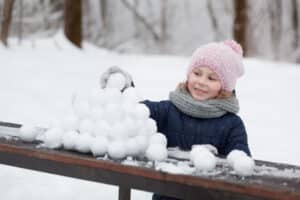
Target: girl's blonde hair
(222, 95)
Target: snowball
(83, 142)
(116, 80)
(101, 128)
(142, 142)
(158, 138)
(131, 95)
(116, 132)
(204, 161)
(69, 139)
(130, 128)
(70, 122)
(132, 146)
(113, 95)
(86, 126)
(97, 113)
(244, 166)
(235, 155)
(96, 98)
(99, 146)
(28, 133)
(151, 126)
(157, 152)
(141, 111)
(117, 149)
(112, 113)
(52, 138)
(196, 150)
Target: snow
(39, 84)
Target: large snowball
(157, 152)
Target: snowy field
(38, 79)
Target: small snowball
(132, 147)
(112, 113)
(101, 128)
(235, 155)
(244, 166)
(157, 152)
(97, 114)
(204, 161)
(141, 112)
(96, 98)
(158, 138)
(83, 142)
(117, 149)
(86, 126)
(70, 122)
(69, 139)
(131, 95)
(116, 80)
(28, 133)
(52, 138)
(196, 150)
(142, 142)
(116, 132)
(151, 126)
(112, 95)
(99, 146)
(130, 128)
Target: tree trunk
(240, 23)
(7, 12)
(72, 21)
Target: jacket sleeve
(158, 112)
(237, 138)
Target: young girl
(203, 109)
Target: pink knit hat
(224, 58)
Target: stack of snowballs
(107, 122)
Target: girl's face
(203, 83)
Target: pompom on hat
(224, 58)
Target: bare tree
(142, 19)
(241, 22)
(7, 13)
(72, 21)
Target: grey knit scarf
(211, 108)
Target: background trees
(268, 29)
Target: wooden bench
(17, 153)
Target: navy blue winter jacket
(226, 133)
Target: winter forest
(267, 29)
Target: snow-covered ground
(38, 79)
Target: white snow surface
(37, 81)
